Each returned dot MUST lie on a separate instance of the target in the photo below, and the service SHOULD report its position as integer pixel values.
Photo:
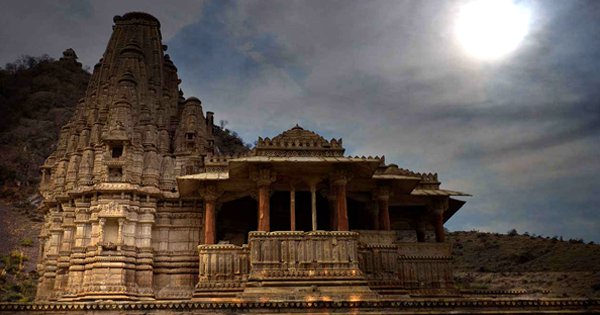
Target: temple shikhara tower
(141, 204)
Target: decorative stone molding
(112, 209)
(388, 305)
(298, 142)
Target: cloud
(520, 133)
(389, 77)
(49, 27)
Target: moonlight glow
(490, 29)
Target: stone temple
(141, 205)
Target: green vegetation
(26, 242)
(227, 141)
(16, 285)
(37, 96)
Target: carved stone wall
(115, 226)
(294, 264)
(289, 255)
(404, 268)
(223, 270)
(175, 237)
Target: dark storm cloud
(521, 134)
(518, 133)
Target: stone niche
(111, 231)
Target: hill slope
(489, 261)
(37, 97)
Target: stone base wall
(319, 264)
(408, 268)
(380, 306)
(120, 246)
(295, 265)
(223, 270)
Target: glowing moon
(491, 29)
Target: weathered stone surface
(115, 228)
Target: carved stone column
(210, 195)
(438, 207)
(264, 178)
(313, 202)
(373, 209)
(292, 208)
(383, 197)
(330, 194)
(101, 223)
(120, 231)
(339, 180)
(420, 229)
(264, 211)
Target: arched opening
(235, 219)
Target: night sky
(520, 133)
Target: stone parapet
(223, 270)
(318, 264)
(408, 268)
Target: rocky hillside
(38, 95)
(539, 265)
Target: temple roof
(136, 15)
(298, 141)
(298, 152)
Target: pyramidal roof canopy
(298, 141)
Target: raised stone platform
(323, 265)
(305, 265)
(385, 306)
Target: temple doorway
(235, 219)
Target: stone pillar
(374, 211)
(210, 227)
(437, 208)
(292, 209)
(313, 199)
(440, 236)
(331, 195)
(120, 231)
(420, 230)
(264, 178)
(264, 219)
(101, 223)
(383, 197)
(210, 195)
(339, 181)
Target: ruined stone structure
(140, 204)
